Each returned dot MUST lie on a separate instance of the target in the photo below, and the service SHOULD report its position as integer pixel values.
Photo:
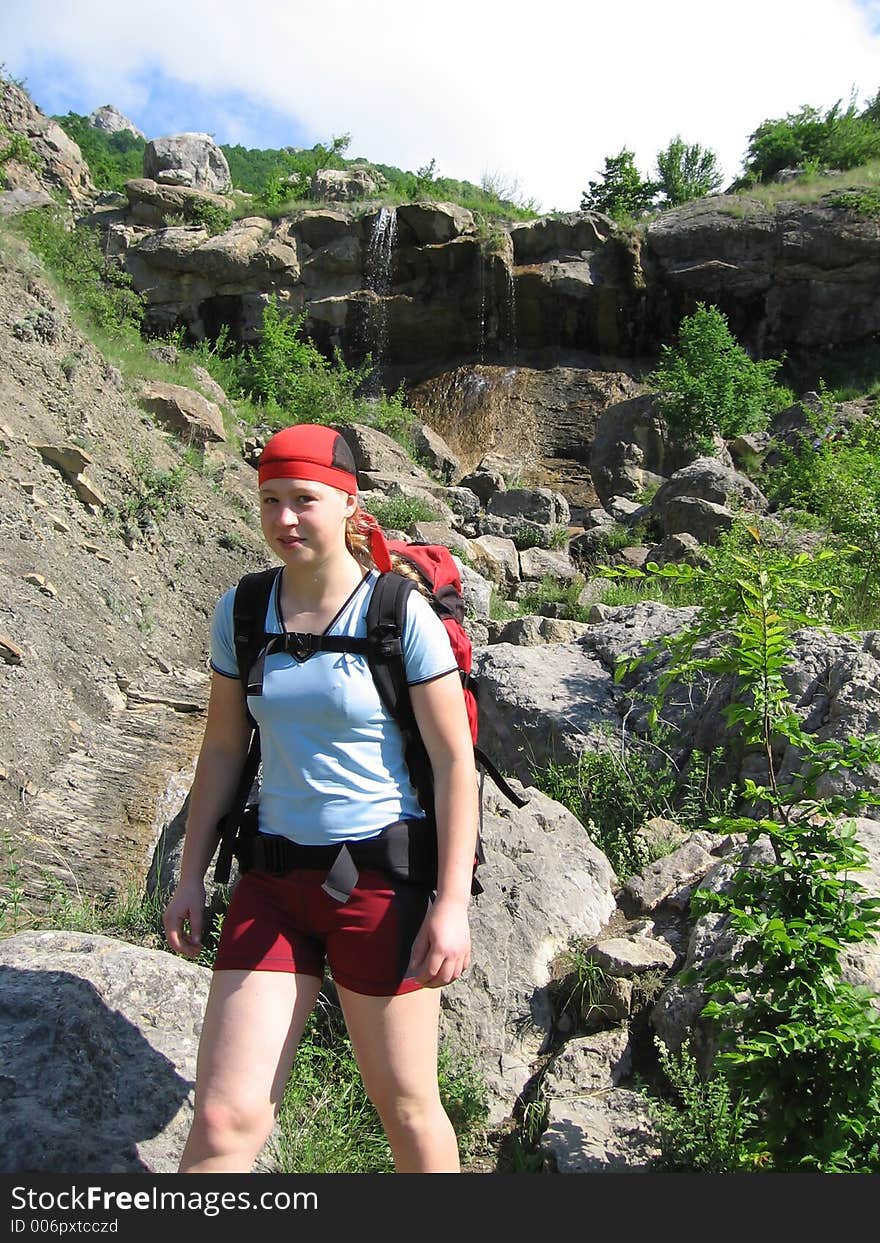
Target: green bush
(17, 147)
(834, 477)
(613, 790)
(700, 1125)
(212, 216)
(809, 139)
(797, 1043)
(101, 292)
(707, 385)
(398, 513)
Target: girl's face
(303, 520)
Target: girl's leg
(253, 1023)
(395, 1043)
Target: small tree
(687, 171)
(621, 191)
(707, 385)
(798, 1044)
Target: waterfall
(377, 279)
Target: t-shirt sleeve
(427, 652)
(223, 659)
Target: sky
(534, 96)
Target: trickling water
(377, 279)
(481, 261)
(510, 303)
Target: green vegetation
(100, 292)
(686, 171)
(153, 495)
(399, 513)
(699, 1124)
(285, 379)
(707, 385)
(832, 478)
(811, 140)
(621, 192)
(552, 590)
(113, 159)
(862, 202)
(16, 147)
(798, 1046)
(616, 788)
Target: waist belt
(406, 850)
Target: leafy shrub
(700, 1125)
(614, 790)
(100, 290)
(797, 1043)
(862, 202)
(708, 385)
(834, 476)
(212, 216)
(153, 495)
(397, 513)
(17, 147)
(840, 138)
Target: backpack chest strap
(301, 646)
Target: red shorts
(288, 923)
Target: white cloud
(541, 93)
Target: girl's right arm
(221, 759)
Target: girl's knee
(231, 1125)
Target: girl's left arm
(442, 949)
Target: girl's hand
(442, 948)
(182, 919)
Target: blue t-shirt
(333, 764)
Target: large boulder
(191, 159)
(98, 1043)
(545, 883)
(58, 161)
(111, 121)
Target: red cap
(309, 451)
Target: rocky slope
(104, 626)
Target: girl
(333, 772)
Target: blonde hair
(357, 540)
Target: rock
(545, 883)
(14, 201)
(435, 453)
(191, 159)
(186, 412)
(684, 866)
(60, 165)
(612, 1131)
(111, 121)
(333, 185)
(537, 563)
(98, 1041)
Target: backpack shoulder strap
(386, 615)
(249, 623)
(249, 617)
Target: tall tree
(621, 190)
(686, 171)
